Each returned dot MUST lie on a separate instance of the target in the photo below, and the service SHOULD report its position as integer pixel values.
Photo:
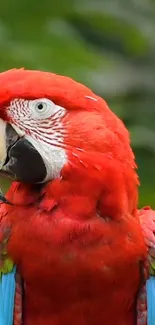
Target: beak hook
(3, 199)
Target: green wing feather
(6, 264)
(152, 260)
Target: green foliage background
(107, 44)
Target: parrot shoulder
(147, 221)
(146, 299)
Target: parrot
(69, 221)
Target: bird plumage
(75, 237)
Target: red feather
(77, 241)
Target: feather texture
(76, 239)
(7, 299)
(147, 220)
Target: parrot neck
(98, 187)
(87, 200)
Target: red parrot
(70, 221)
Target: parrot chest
(77, 271)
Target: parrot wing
(10, 283)
(147, 220)
(6, 264)
(146, 299)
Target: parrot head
(53, 128)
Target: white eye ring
(42, 108)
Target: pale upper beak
(5, 141)
(9, 134)
(3, 147)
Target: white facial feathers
(40, 122)
(37, 109)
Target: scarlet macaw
(70, 222)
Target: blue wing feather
(7, 295)
(150, 286)
(2, 318)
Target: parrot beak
(19, 160)
(3, 152)
(8, 137)
(3, 155)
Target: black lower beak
(23, 163)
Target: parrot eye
(42, 108)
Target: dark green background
(107, 44)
